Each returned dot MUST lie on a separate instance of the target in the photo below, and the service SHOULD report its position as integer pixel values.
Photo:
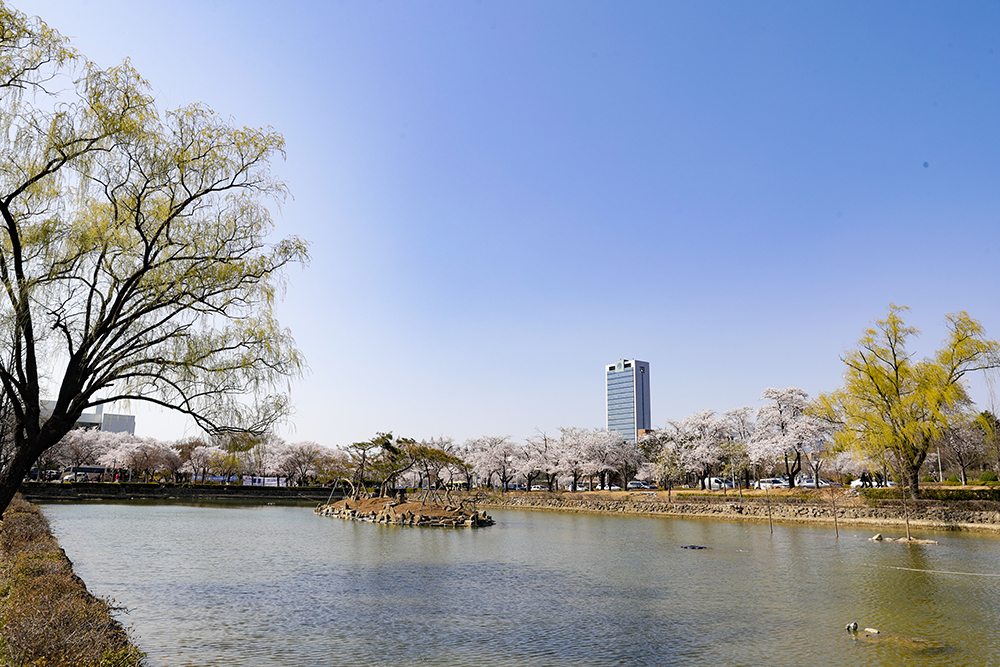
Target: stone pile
(391, 511)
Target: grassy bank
(48, 618)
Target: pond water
(278, 585)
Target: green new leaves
(893, 407)
(136, 257)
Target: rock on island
(392, 511)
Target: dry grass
(47, 616)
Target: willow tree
(892, 407)
(135, 261)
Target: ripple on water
(280, 586)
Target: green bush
(928, 478)
(964, 493)
(954, 479)
(988, 476)
(880, 493)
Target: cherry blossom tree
(573, 447)
(600, 454)
(539, 457)
(494, 455)
(693, 446)
(118, 457)
(989, 426)
(140, 458)
(263, 457)
(299, 462)
(962, 444)
(844, 463)
(739, 428)
(171, 462)
(197, 457)
(84, 446)
(784, 429)
(626, 458)
(667, 464)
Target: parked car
(539, 487)
(771, 483)
(856, 484)
(639, 484)
(607, 488)
(716, 483)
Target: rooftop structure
(98, 420)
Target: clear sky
(504, 196)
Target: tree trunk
(911, 478)
(792, 470)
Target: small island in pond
(392, 511)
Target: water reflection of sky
(280, 586)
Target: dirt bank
(786, 509)
(47, 615)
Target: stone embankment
(391, 511)
(44, 492)
(851, 512)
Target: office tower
(628, 398)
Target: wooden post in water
(906, 514)
(833, 501)
(767, 495)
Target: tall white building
(628, 398)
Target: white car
(771, 483)
(856, 484)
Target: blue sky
(503, 197)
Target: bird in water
(852, 626)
